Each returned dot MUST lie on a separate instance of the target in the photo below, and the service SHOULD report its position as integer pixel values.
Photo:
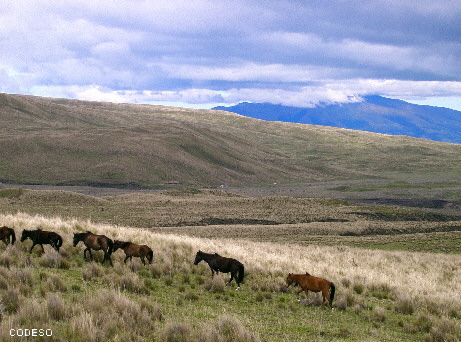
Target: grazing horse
(96, 242)
(218, 264)
(133, 250)
(5, 234)
(42, 237)
(314, 284)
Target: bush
(404, 305)
(93, 270)
(55, 306)
(10, 300)
(215, 285)
(176, 332)
(55, 283)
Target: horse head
(25, 235)
(198, 257)
(290, 279)
(118, 244)
(77, 238)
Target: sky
(201, 54)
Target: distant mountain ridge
(375, 114)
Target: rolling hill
(375, 114)
(71, 142)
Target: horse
(96, 242)
(218, 264)
(308, 283)
(133, 250)
(42, 237)
(6, 233)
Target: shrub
(404, 305)
(10, 300)
(55, 306)
(191, 295)
(93, 270)
(32, 311)
(358, 288)
(215, 285)
(176, 332)
(231, 329)
(154, 310)
(55, 283)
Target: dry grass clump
(10, 300)
(215, 284)
(226, 329)
(109, 310)
(176, 332)
(53, 259)
(93, 270)
(56, 307)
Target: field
(409, 292)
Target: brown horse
(42, 237)
(133, 250)
(314, 284)
(96, 242)
(6, 233)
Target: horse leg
(231, 277)
(43, 250)
(90, 253)
(143, 261)
(325, 295)
(126, 258)
(33, 245)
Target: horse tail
(241, 273)
(110, 243)
(150, 256)
(13, 236)
(332, 293)
(59, 243)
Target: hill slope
(56, 141)
(375, 114)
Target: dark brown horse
(218, 264)
(6, 233)
(133, 250)
(314, 284)
(42, 237)
(96, 242)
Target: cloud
(197, 51)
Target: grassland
(219, 214)
(55, 141)
(381, 295)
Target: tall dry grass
(416, 282)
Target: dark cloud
(230, 47)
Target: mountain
(71, 142)
(375, 114)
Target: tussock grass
(89, 301)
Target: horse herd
(216, 262)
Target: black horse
(42, 237)
(218, 264)
(7, 233)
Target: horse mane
(307, 273)
(124, 244)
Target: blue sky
(205, 53)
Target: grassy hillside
(380, 296)
(56, 141)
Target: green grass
(273, 316)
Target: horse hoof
(238, 288)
